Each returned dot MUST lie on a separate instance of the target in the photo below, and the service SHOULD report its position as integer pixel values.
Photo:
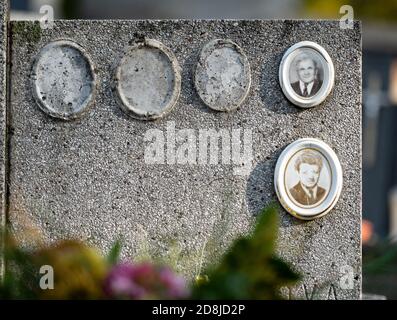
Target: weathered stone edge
(4, 15)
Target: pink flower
(176, 285)
(144, 281)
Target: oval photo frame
(308, 178)
(63, 80)
(312, 77)
(222, 76)
(147, 80)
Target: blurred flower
(175, 285)
(79, 270)
(144, 281)
(249, 270)
(366, 231)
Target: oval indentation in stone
(148, 80)
(63, 80)
(223, 75)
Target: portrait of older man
(308, 166)
(308, 83)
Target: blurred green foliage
(18, 283)
(381, 258)
(251, 268)
(70, 8)
(380, 269)
(366, 10)
(80, 271)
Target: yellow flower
(78, 271)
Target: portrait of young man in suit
(308, 166)
(308, 83)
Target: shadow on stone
(260, 190)
(270, 89)
(189, 95)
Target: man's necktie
(305, 94)
(311, 193)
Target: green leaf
(284, 271)
(251, 268)
(265, 234)
(113, 256)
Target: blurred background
(379, 20)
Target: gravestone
(108, 172)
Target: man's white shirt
(309, 86)
(308, 192)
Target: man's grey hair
(303, 57)
(310, 157)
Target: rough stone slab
(87, 178)
(3, 109)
